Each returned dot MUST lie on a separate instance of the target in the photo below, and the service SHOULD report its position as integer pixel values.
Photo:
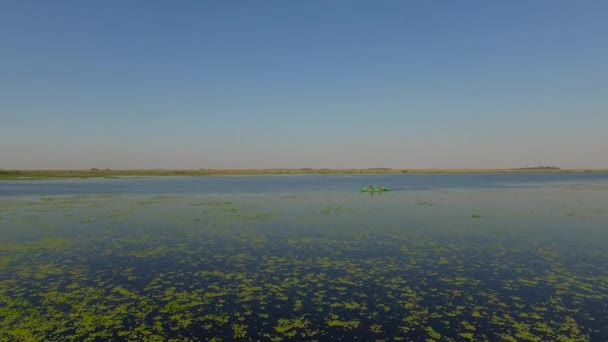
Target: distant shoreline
(95, 173)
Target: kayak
(375, 189)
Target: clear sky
(338, 84)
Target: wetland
(452, 257)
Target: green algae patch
(48, 243)
(432, 333)
(149, 252)
(334, 321)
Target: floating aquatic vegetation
(128, 268)
(430, 204)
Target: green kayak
(375, 189)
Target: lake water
(446, 257)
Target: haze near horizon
(192, 84)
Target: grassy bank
(94, 173)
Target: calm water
(444, 257)
(286, 183)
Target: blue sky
(261, 84)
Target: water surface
(446, 257)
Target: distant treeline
(107, 173)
